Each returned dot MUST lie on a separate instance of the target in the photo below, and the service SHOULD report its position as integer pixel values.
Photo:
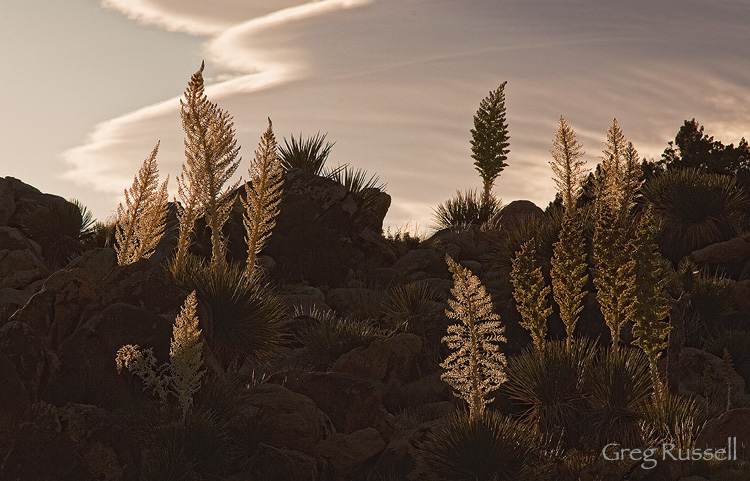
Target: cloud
(395, 83)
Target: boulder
(14, 398)
(733, 250)
(88, 373)
(78, 442)
(383, 360)
(732, 423)
(97, 262)
(7, 201)
(349, 455)
(422, 264)
(515, 213)
(53, 312)
(32, 361)
(144, 284)
(350, 403)
(401, 458)
(294, 420)
(283, 465)
(704, 374)
(26, 198)
(21, 260)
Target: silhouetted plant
(402, 239)
(60, 228)
(694, 209)
(331, 337)
(309, 155)
(617, 388)
(465, 209)
(548, 383)
(103, 233)
(485, 447)
(246, 317)
(489, 139)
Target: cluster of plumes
(489, 138)
(476, 367)
(211, 159)
(140, 223)
(182, 376)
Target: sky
(90, 86)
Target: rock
(14, 398)
(703, 374)
(401, 458)
(7, 201)
(350, 454)
(32, 361)
(143, 284)
(87, 357)
(294, 420)
(350, 403)
(78, 442)
(27, 198)
(733, 250)
(383, 360)
(21, 260)
(421, 264)
(53, 312)
(515, 213)
(462, 243)
(97, 262)
(284, 465)
(732, 423)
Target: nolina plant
(140, 223)
(530, 293)
(181, 377)
(476, 367)
(263, 197)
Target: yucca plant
(417, 309)
(60, 227)
(309, 155)
(694, 209)
(617, 386)
(486, 447)
(247, 318)
(332, 337)
(466, 208)
(548, 384)
(358, 182)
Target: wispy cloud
(396, 83)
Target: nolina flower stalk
(476, 367)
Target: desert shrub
(60, 228)
(103, 233)
(694, 209)
(464, 209)
(674, 419)
(331, 337)
(548, 384)
(486, 447)
(246, 317)
(402, 239)
(309, 155)
(416, 308)
(617, 387)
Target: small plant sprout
(476, 367)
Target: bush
(417, 309)
(246, 317)
(331, 337)
(309, 155)
(487, 447)
(59, 228)
(465, 209)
